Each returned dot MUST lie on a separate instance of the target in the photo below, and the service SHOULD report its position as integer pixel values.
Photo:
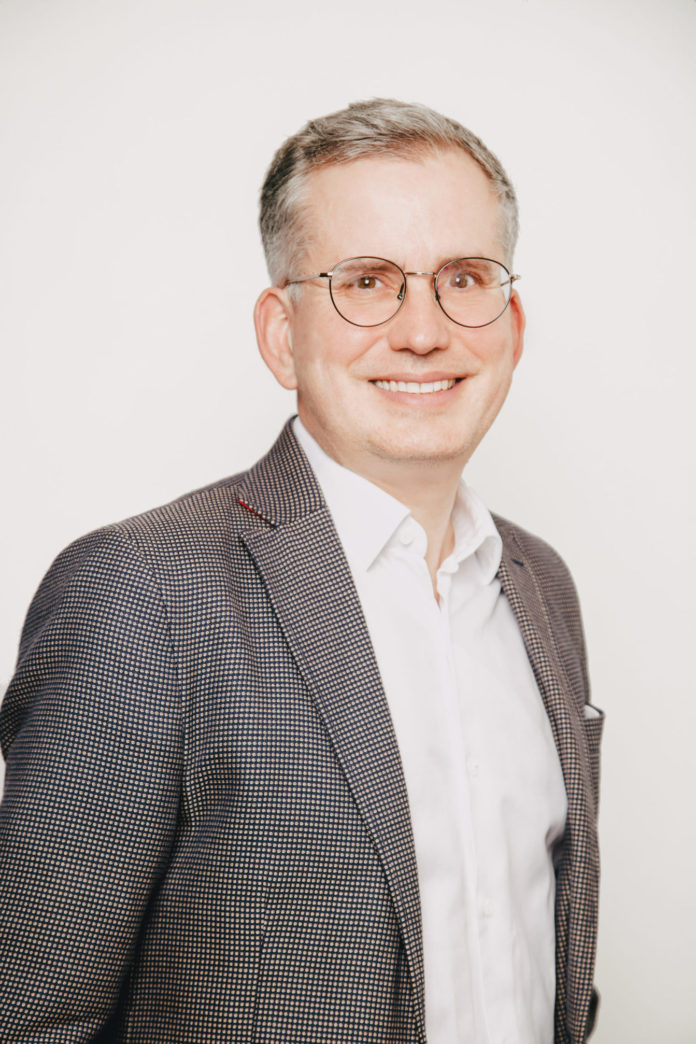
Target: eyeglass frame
(401, 297)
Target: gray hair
(364, 129)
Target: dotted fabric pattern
(205, 832)
(542, 595)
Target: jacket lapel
(311, 590)
(576, 871)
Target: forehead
(414, 210)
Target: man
(307, 755)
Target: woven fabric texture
(205, 832)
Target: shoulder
(179, 551)
(545, 563)
(136, 558)
(203, 517)
(557, 591)
(279, 487)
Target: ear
(518, 324)
(272, 319)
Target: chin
(422, 451)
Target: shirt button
(474, 768)
(407, 533)
(487, 908)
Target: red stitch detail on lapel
(250, 508)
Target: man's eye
(461, 280)
(366, 282)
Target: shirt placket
(465, 771)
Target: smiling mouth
(416, 387)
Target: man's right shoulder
(180, 539)
(201, 513)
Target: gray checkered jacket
(205, 832)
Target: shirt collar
(475, 533)
(352, 499)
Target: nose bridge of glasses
(407, 276)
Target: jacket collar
(281, 488)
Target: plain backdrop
(134, 136)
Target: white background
(134, 136)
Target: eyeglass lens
(367, 291)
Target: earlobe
(518, 325)
(272, 318)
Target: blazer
(205, 834)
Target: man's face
(419, 213)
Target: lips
(417, 387)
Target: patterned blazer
(205, 834)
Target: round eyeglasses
(369, 291)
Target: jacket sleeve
(91, 732)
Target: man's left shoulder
(555, 591)
(546, 564)
(551, 576)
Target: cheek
(496, 355)
(344, 357)
(496, 364)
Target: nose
(420, 325)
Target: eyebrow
(446, 260)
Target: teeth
(415, 388)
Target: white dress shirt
(482, 773)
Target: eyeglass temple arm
(308, 279)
